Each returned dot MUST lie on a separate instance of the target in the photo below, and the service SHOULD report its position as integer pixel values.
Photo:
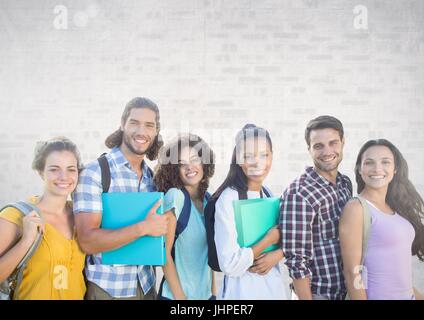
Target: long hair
(115, 138)
(236, 179)
(401, 193)
(167, 171)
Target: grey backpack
(9, 287)
(366, 229)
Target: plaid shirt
(309, 218)
(118, 280)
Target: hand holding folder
(254, 218)
(124, 209)
(152, 225)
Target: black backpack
(182, 222)
(210, 227)
(105, 170)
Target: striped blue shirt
(120, 281)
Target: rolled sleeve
(12, 215)
(88, 193)
(296, 217)
(174, 199)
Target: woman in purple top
(396, 231)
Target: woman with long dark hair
(396, 230)
(249, 273)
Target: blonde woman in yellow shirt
(55, 271)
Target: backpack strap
(184, 215)
(366, 227)
(15, 279)
(182, 223)
(210, 233)
(27, 208)
(150, 171)
(366, 230)
(242, 195)
(105, 170)
(208, 196)
(267, 194)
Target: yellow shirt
(55, 271)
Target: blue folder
(254, 217)
(124, 209)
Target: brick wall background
(69, 67)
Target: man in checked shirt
(310, 212)
(137, 138)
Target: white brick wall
(211, 66)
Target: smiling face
(139, 131)
(256, 159)
(190, 167)
(326, 150)
(377, 167)
(60, 173)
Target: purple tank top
(388, 259)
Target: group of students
(323, 238)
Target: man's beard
(127, 141)
(325, 168)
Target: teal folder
(124, 209)
(254, 217)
